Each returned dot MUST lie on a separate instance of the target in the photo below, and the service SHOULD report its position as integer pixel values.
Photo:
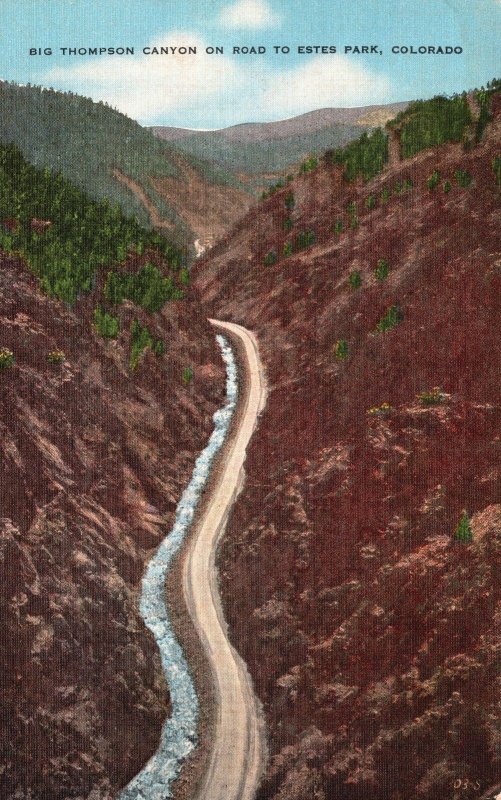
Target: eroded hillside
(366, 612)
(104, 405)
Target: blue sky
(209, 91)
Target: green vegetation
(341, 349)
(355, 279)
(106, 325)
(432, 397)
(391, 319)
(463, 532)
(382, 269)
(304, 239)
(147, 288)
(364, 157)
(496, 166)
(370, 203)
(309, 165)
(484, 116)
(289, 201)
(351, 209)
(6, 358)
(85, 140)
(287, 224)
(338, 227)
(287, 251)
(56, 357)
(447, 187)
(81, 235)
(272, 189)
(385, 195)
(187, 375)
(268, 155)
(433, 180)
(141, 339)
(428, 123)
(404, 186)
(270, 258)
(463, 178)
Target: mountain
(109, 377)
(359, 567)
(271, 147)
(109, 155)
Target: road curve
(238, 743)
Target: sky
(214, 90)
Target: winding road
(238, 744)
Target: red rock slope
(93, 460)
(370, 631)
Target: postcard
(250, 509)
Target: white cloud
(217, 90)
(252, 14)
(324, 81)
(147, 86)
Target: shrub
(287, 224)
(187, 375)
(141, 339)
(309, 165)
(433, 180)
(6, 358)
(447, 187)
(463, 178)
(270, 258)
(289, 201)
(382, 269)
(432, 397)
(338, 227)
(106, 324)
(158, 347)
(385, 195)
(184, 277)
(370, 202)
(56, 357)
(407, 185)
(463, 532)
(355, 279)
(351, 208)
(341, 349)
(390, 320)
(287, 251)
(304, 239)
(381, 410)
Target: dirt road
(238, 747)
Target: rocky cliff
(93, 459)
(366, 615)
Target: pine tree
(463, 532)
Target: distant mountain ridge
(312, 121)
(269, 149)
